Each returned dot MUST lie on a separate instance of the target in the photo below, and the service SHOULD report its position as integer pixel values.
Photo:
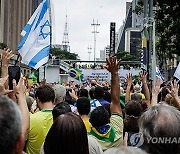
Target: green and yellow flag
(76, 74)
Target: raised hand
(129, 79)
(73, 95)
(112, 65)
(174, 89)
(143, 77)
(3, 91)
(6, 56)
(155, 91)
(19, 89)
(156, 87)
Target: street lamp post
(95, 25)
(89, 52)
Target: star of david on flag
(45, 29)
(35, 44)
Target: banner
(104, 75)
(112, 37)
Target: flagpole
(50, 18)
(154, 55)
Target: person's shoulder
(40, 115)
(34, 115)
(116, 119)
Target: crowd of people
(89, 118)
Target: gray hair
(10, 124)
(125, 150)
(160, 122)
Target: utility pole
(150, 22)
(95, 25)
(145, 50)
(89, 52)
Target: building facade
(35, 4)
(14, 15)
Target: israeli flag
(158, 74)
(35, 44)
(177, 72)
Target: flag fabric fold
(158, 74)
(76, 74)
(177, 72)
(35, 44)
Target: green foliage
(64, 54)
(167, 17)
(139, 7)
(167, 28)
(3, 45)
(125, 56)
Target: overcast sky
(80, 17)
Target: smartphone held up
(14, 73)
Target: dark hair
(83, 106)
(60, 108)
(107, 96)
(83, 93)
(91, 92)
(45, 94)
(67, 135)
(162, 94)
(133, 108)
(131, 125)
(136, 97)
(107, 107)
(99, 117)
(106, 88)
(99, 92)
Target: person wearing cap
(138, 89)
(60, 94)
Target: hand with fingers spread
(6, 56)
(112, 65)
(143, 77)
(73, 95)
(155, 91)
(3, 91)
(174, 89)
(156, 87)
(129, 79)
(128, 89)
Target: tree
(3, 45)
(126, 56)
(64, 54)
(167, 28)
(167, 17)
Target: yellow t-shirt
(87, 125)
(40, 123)
(116, 123)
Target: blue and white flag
(35, 44)
(158, 74)
(177, 72)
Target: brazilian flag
(135, 78)
(33, 77)
(76, 74)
